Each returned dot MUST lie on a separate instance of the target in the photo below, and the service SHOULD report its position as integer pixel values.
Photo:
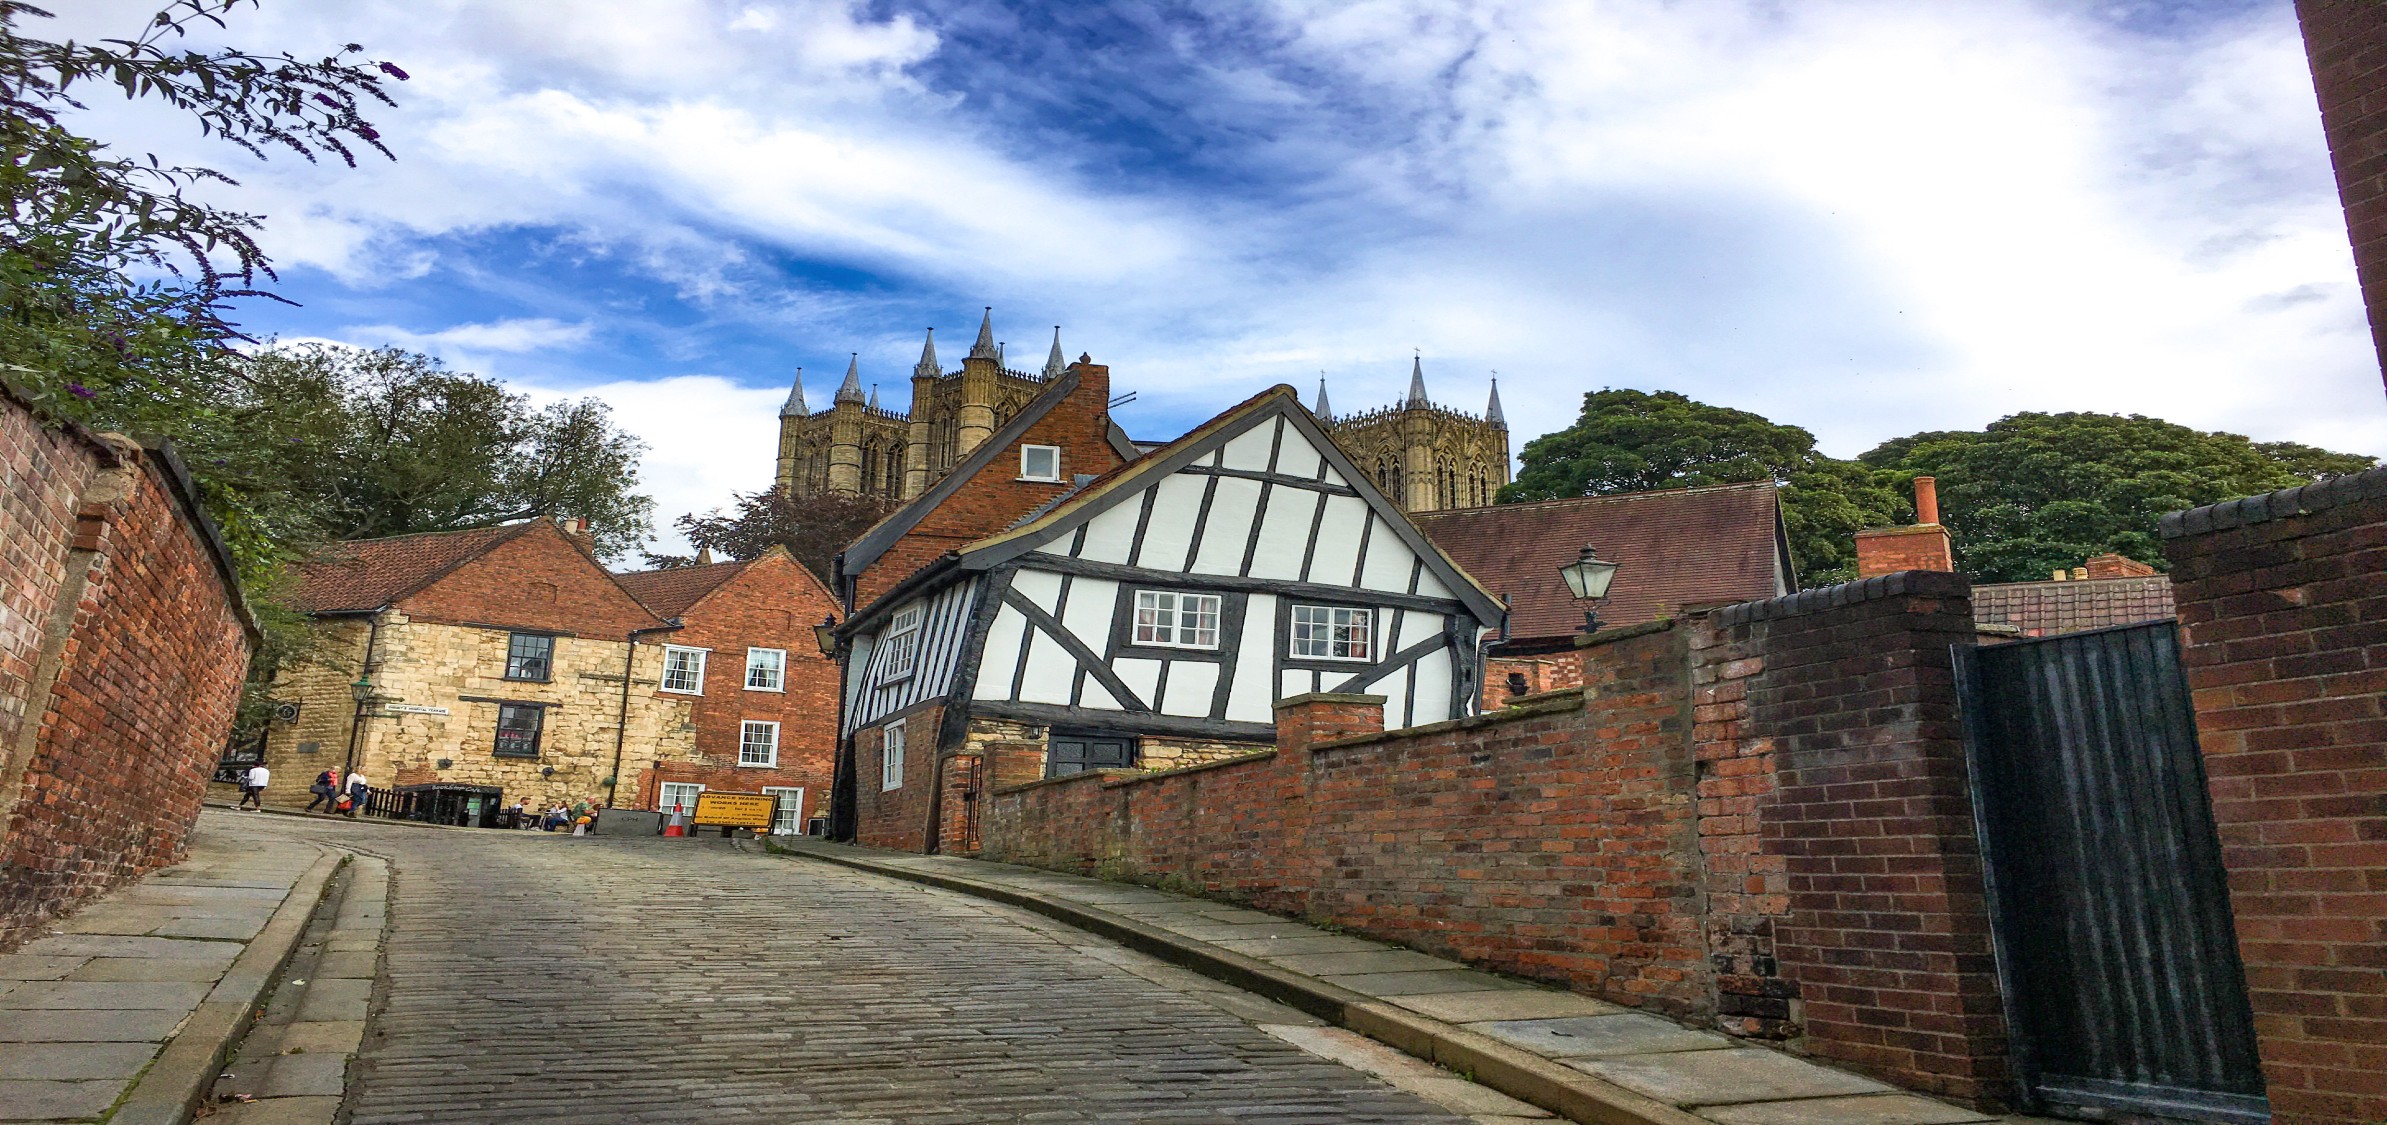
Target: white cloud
(522, 334)
(707, 437)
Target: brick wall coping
(1906, 529)
(2351, 488)
(1625, 632)
(1082, 775)
(1548, 703)
(1928, 583)
(1111, 778)
(1330, 697)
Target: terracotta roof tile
(670, 591)
(2044, 609)
(1675, 547)
(364, 574)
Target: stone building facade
(1426, 456)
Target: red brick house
(762, 698)
(1674, 548)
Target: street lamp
(1587, 578)
(826, 634)
(361, 690)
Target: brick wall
(899, 817)
(995, 497)
(122, 647)
(1841, 832)
(1888, 550)
(1558, 671)
(2283, 605)
(2346, 43)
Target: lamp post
(1587, 578)
(362, 692)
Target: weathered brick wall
(899, 817)
(993, 499)
(122, 647)
(1888, 550)
(2345, 41)
(1832, 744)
(1557, 671)
(2283, 603)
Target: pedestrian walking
(252, 787)
(358, 790)
(326, 790)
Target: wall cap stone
(1548, 703)
(1625, 632)
(2304, 499)
(1330, 697)
(1920, 583)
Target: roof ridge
(1638, 494)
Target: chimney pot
(2080, 573)
(1926, 500)
(2059, 575)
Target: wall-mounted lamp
(1587, 578)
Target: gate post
(2283, 602)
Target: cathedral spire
(874, 396)
(985, 347)
(928, 358)
(795, 399)
(851, 389)
(1324, 412)
(1417, 383)
(1492, 410)
(1054, 365)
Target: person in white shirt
(252, 787)
(358, 790)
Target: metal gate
(2107, 901)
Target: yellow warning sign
(742, 810)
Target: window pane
(518, 730)
(758, 744)
(765, 668)
(529, 656)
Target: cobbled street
(532, 977)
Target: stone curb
(1519, 1074)
(169, 1091)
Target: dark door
(1076, 753)
(2107, 900)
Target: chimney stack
(1922, 545)
(1926, 500)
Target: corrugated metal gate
(2112, 922)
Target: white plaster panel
(1000, 657)
(1249, 449)
(1285, 532)
(1388, 562)
(1051, 671)
(1395, 690)
(1433, 688)
(1338, 540)
(1191, 683)
(1297, 457)
(1171, 527)
(1088, 615)
(1431, 586)
(1098, 696)
(1415, 627)
(1230, 525)
(1292, 682)
(1112, 531)
(1038, 586)
(1333, 477)
(1141, 676)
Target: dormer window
(1040, 462)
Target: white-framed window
(1165, 617)
(683, 670)
(1040, 462)
(902, 644)
(1334, 632)
(766, 669)
(758, 743)
(787, 809)
(677, 796)
(891, 756)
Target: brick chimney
(1920, 546)
(2110, 565)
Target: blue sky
(1865, 218)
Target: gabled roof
(1279, 401)
(670, 591)
(1673, 548)
(2044, 609)
(882, 535)
(366, 574)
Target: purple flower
(327, 100)
(367, 132)
(79, 390)
(392, 70)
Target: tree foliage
(2034, 492)
(1634, 441)
(813, 528)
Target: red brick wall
(537, 580)
(773, 603)
(1557, 671)
(101, 776)
(897, 818)
(2283, 604)
(2346, 43)
(996, 497)
(1831, 728)
(1888, 550)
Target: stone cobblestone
(609, 979)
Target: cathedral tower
(1426, 456)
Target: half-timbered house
(1151, 618)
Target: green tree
(1634, 441)
(812, 528)
(362, 443)
(2035, 492)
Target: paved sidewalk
(1581, 1057)
(293, 1066)
(126, 1006)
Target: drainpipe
(621, 730)
(356, 723)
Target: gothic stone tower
(1425, 456)
(857, 446)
